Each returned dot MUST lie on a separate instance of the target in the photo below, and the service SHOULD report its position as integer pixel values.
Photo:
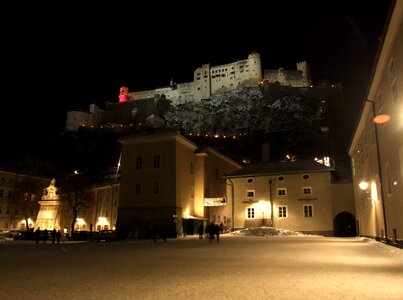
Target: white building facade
(376, 149)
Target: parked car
(8, 235)
(103, 235)
(24, 235)
(80, 236)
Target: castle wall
(201, 83)
(208, 80)
(295, 78)
(231, 76)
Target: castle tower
(255, 66)
(123, 94)
(306, 74)
(202, 83)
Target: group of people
(213, 230)
(43, 235)
(159, 231)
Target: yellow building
(101, 212)
(376, 149)
(296, 195)
(165, 182)
(19, 195)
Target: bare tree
(27, 193)
(75, 190)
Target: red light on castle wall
(123, 94)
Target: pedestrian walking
(211, 231)
(217, 232)
(200, 230)
(45, 235)
(53, 233)
(37, 235)
(58, 236)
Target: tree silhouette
(75, 191)
(27, 195)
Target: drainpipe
(271, 204)
(233, 203)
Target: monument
(50, 207)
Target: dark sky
(62, 58)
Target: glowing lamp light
(380, 119)
(80, 221)
(363, 185)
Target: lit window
(137, 188)
(156, 161)
(139, 162)
(282, 192)
(282, 211)
(250, 213)
(308, 211)
(250, 194)
(156, 188)
(306, 190)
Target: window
(280, 178)
(250, 180)
(1, 193)
(216, 174)
(139, 162)
(282, 192)
(156, 161)
(137, 188)
(306, 177)
(250, 194)
(250, 213)
(191, 168)
(306, 190)
(1, 210)
(156, 188)
(282, 211)
(10, 194)
(308, 211)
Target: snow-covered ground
(238, 267)
(267, 231)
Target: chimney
(265, 152)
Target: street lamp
(380, 119)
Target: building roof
(279, 168)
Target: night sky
(57, 59)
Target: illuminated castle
(208, 80)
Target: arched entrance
(344, 225)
